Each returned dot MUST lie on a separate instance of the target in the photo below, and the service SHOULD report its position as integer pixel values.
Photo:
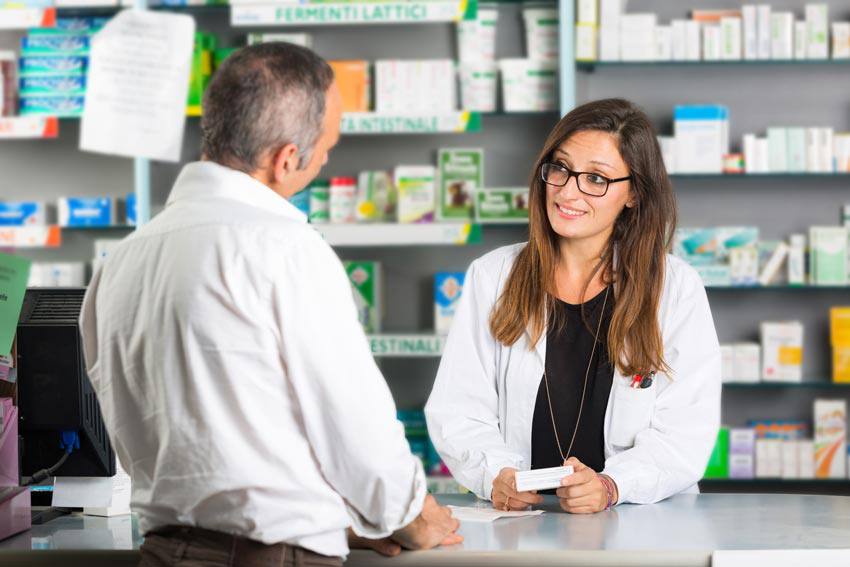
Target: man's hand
(583, 492)
(434, 526)
(504, 495)
(384, 546)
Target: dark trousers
(195, 547)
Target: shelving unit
(426, 234)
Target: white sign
(138, 81)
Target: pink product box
(14, 501)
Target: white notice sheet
(471, 514)
(138, 81)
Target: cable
(46, 473)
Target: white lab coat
(657, 440)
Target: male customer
(223, 342)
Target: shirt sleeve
(671, 454)
(348, 412)
(463, 409)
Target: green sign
(388, 345)
(373, 123)
(336, 12)
(14, 274)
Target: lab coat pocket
(632, 413)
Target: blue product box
(301, 201)
(447, 289)
(55, 44)
(132, 212)
(24, 213)
(53, 65)
(50, 105)
(79, 24)
(53, 85)
(86, 211)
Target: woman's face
(576, 215)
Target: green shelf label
(324, 13)
(400, 345)
(368, 123)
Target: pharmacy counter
(682, 531)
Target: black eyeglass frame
(570, 174)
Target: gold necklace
(583, 389)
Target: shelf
(748, 176)
(386, 123)
(812, 384)
(30, 237)
(407, 345)
(395, 234)
(779, 288)
(129, 227)
(26, 18)
(590, 66)
(29, 128)
(318, 13)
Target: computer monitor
(54, 391)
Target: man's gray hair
(262, 98)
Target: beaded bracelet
(609, 488)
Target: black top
(567, 354)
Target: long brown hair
(641, 238)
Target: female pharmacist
(589, 345)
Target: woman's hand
(504, 495)
(583, 492)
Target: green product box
(501, 205)
(718, 463)
(202, 67)
(461, 174)
(320, 201)
(376, 197)
(828, 255)
(365, 278)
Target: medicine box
(366, 285)
(343, 196)
(320, 205)
(23, 213)
(376, 197)
(702, 138)
(508, 205)
(828, 255)
(461, 174)
(86, 211)
(830, 438)
(447, 289)
(416, 186)
(782, 349)
(354, 81)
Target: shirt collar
(205, 179)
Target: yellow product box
(839, 325)
(830, 438)
(841, 363)
(354, 81)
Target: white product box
(727, 363)
(782, 351)
(825, 149)
(749, 13)
(587, 12)
(768, 458)
(586, 42)
(790, 459)
(841, 40)
(448, 287)
(749, 147)
(679, 39)
(417, 193)
(609, 44)
(777, 148)
(637, 37)
(797, 259)
(782, 35)
(541, 33)
(796, 146)
(744, 265)
(693, 34)
(87, 211)
(479, 86)
(711, 49)
(830, 438)
(57, 274)
(529, 85)
(343, 200)
(762, 155)
(841, 151)
(302, 39)
(800, 46)
(774, 265)
(817, 31)
(663, 43)
(22, 213)
(731, 36)
(668, 152)
(764, 43)
(610, 12)
(813, 159)
(476, 39)
(742, 441)
(806, 458)
(747, 362)
(702, 138)
(424, 86)
(541, 479)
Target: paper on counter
(137, 86)
(470, 514)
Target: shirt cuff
(368, 530)
(490, 474)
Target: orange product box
(354, 81)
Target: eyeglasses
(591, 184)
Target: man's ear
(285, 162)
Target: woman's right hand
(504, 495)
